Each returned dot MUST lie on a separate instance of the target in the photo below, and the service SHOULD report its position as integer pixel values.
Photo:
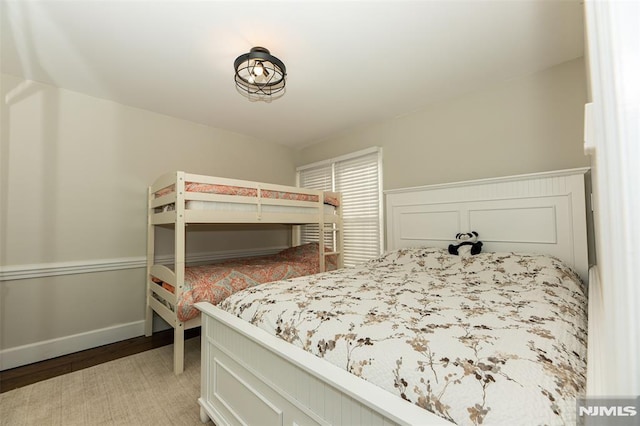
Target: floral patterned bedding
(250, 192)
(496, 338)
(212, 283)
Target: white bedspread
(497, 338)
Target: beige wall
(530, 124)
(74, 172)
(77, 169)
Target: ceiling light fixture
(259, 75)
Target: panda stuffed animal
(467, 244)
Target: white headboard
(534, 213)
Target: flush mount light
(259, 75)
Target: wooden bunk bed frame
(173, 208)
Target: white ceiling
(349, 63)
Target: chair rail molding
(41, 270)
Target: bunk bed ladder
(338, 235)
(336, 239)
(321, 245)
(148, 322)
(335, 230)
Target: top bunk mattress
(496, 338)
(330, 200)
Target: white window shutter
(321, 178)
(358, 178)
(358, 181)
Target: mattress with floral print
(212, 283)
(496, 338)
(329, 199)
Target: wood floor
(32, 373)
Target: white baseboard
(40, 351)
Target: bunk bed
(180, 199)
(420, 336)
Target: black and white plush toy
(467, 244)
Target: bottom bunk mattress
(212, 283)
(496, 338)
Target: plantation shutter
(321, 178)
(358, 177)
(358, 181)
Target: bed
(214, 282)
(420, 336)
(179, 199)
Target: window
(358, 176)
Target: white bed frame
(539, 213)
(205, 208)
(251, 377)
